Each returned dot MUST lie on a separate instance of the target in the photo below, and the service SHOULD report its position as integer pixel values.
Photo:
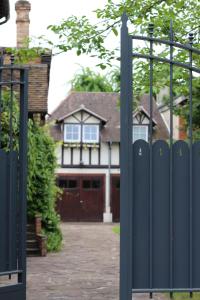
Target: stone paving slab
(87, 268)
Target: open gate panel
(160, 205)
(13, 165)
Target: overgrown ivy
(41, 182)
(41, 189)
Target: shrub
(41, 182)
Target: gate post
(126, 101)
(23, 174)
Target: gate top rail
(166, 42)
(166, 60)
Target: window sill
(84, 145)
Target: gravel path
(87, 268)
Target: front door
(82, 198)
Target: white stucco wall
(58, 153)
(115, 154)
(104, 155)
(166, 118)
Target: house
(39, 68)
(87, 129)
(38, 81)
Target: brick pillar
(22, 8)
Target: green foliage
(90, 38)
(27, 54)
(6, 116)
(184, 110)
(89, 81)
(42, 189)
(41, 185)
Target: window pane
(140, 133)
(72, 184)
(86, 184)
(62, 183)
(96, 184)
(117, 184)
(72, 132)
(91, 133)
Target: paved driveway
(87, 268)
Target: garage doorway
(115, 197)
(82, 198)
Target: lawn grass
(116, 229)
(186, 296)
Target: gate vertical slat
(10, 171)
(161, 215)
(196, 218)
(3, 212)
(23, 175)
(151, 27)
(1, 63)
(13, 212)
(141, 179)
(191, 154)
(171, 159)
(126, 99)
(181, 214)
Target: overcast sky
(43, 13)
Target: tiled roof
(106, 105)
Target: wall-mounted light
(4, 11)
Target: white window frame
(146, 132)
(84, 140)
(65, 133)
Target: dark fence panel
(16, 292)
(164, 217)
(141, 214)
(181, 214)
(8, 211)
(196, 215)
(161, 215)
(3, 211)
(14, 210)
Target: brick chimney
(22, 8)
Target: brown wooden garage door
(82, 199)
(115, 197)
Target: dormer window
(140, 132)
(90, 133)
(76, 133)
(72, 133)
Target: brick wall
(38, 88)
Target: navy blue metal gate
(160, 190)
(13, 153)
